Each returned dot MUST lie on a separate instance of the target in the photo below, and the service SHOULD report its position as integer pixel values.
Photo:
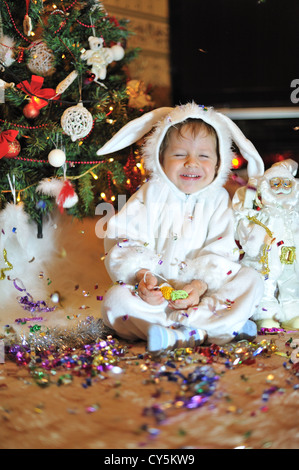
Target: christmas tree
(64, 91)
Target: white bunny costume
(179, 237)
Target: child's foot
(160, 338)
(267, 323)
(248, 331)
(293, 323)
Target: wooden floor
(113, 395)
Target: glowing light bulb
(94, 175)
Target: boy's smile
(189, 161)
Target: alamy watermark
(160, 220)
(295, 93)
(2, 354)
(2, 94)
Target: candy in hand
(169, 293)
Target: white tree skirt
(69, 265)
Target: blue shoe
(160, 338)
(248, 331)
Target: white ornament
(56, 158)
(100, 57)
(6, 52)
(41, 59)
(27, 25)
(64, 84)
(118, 52)
(5, 85)
(77, 122)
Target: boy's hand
(147, 290)
(195, 291)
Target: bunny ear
(133, 131)
(255, 164)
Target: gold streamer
(265, 257)
(256, 221)
(10, 266)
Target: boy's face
(189, 161)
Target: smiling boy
(182, 233)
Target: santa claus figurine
(267, 228)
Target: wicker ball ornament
(77, 122)
(41, 59)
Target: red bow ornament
(5, 138)
(34, 88)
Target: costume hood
(161, 119)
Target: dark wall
(234, 52)
(240, 53)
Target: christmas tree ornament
(7, 45)
(14, 149)
(138, 97)
(118, 52)
(36, 92)
(89, 78)
(61, 189)
(20, 56)
(4, 85)
(99, 57)
(67, 197)
(77, 121)
(7, 148)
(30, 111)
(64, 84)
(41, 59)
(56, 158)
(27, 23)
(133, 174)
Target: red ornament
(14, 148)
(132, 173)
(30, 111)
(67, 197)
(6, 139)
(20, 57)
(89, 78)
(35, 90)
